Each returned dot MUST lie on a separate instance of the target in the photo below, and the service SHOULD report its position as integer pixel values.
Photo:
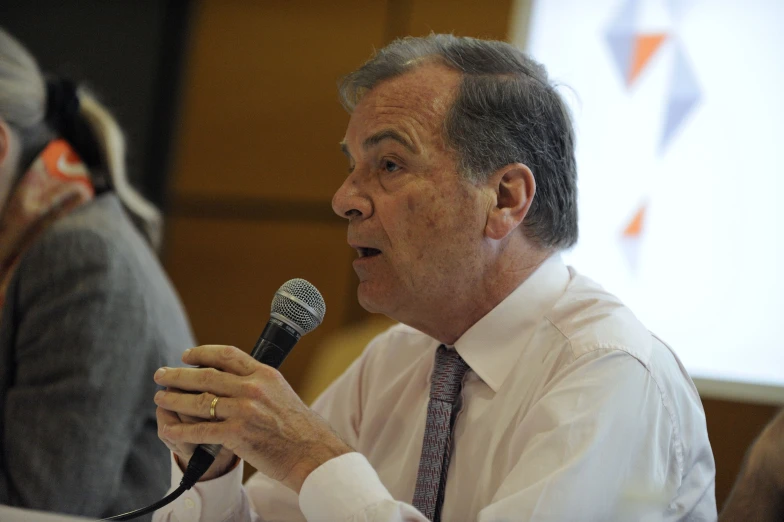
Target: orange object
(634, 228)
(645, 45)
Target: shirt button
(189, 503)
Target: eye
(390, 166)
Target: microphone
(297, 309)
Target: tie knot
(448, 374)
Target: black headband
(63, 116)
(62, 104)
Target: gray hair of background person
(506, 112)
(23, 107)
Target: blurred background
(233, 123)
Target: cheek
(425, 223)
(410, 224)
(419, 216)
(432, 235)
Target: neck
(454, 314)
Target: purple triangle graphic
(626, 16)
(678, 8)
(631, 251)
(683, 97)
(621, 45)
(620, 37)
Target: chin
(372, 298)
(367, 303)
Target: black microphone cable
(297, 309)
(198, 465)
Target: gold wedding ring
(212, 408)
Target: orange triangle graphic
(634, 228)
(645, 45)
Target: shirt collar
(495, 342)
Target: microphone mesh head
(306, 309)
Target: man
(515, 389)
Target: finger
(199, 433)
(198, 406)
(168, 418)
(183, 417)
(226, 358)
(165, 416)
(189, 419)
(199, 380)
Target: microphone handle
(212, 449)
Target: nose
(350, 201)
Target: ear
(514, 189)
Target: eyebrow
(377, 138)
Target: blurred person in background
(758, 494)
(87, 312)
(514, 387)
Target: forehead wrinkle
(389, 134)
(405, 122)
(417, 126)
(422, 108)
(415, 104)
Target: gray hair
(23, 106)
(506, 111)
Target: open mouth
(368, 252)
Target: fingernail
(159, 395)
(185, 354)
(160, 373)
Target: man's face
(416, 225)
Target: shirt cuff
(340, 488)
(211, 500)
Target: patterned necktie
(445, 384)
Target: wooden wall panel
(461, 17)
(261, 116)
(227, 272)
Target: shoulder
(591, 320)
(591, 323)
(594, 325)
(97, 240)
(76, 264)
(96, 236)
(94, 260)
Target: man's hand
(223, 462)
(259, 417)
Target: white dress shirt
(572, 410)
